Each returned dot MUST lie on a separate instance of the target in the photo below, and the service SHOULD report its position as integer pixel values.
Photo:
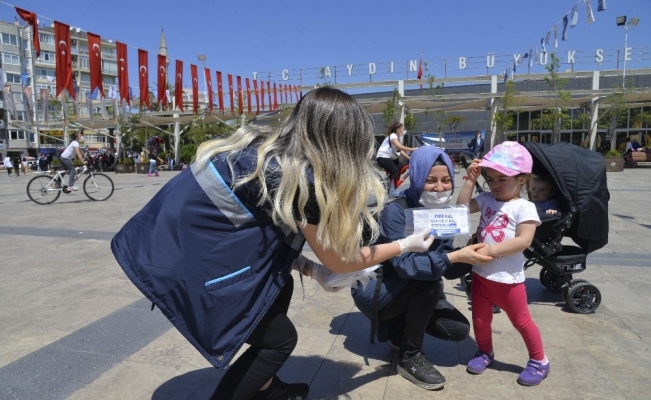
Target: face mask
(435, 199)
(404, 132)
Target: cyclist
(390, 150)
(68, 154)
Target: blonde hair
(329, 134)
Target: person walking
(8, 165)
(507, 226)
(217, 244)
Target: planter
(126, 168)
(142, 168)
(614, 164)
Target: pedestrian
(170, 162)
(507, 225)
(153, 168)
(216, 245)
(24, 165)
(43, 164)
(17, 165)
(8, 165)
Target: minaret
(162, 49)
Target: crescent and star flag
(31, 19)
(262, 95)
(206, 72)
(257, 97)
(248, 94)
(269, 95)
(95, 62)
(162, 81)
(230, 93)
(240, 104)
(420, 69)
(296, 91)
(143, 77)
(178, 85)
(275, 98)
(123, 72)
(220, 92)
(63, 59)
(195, 88)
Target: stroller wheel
(568, 286)
(552, 281)
(584, 298)
(466, 282)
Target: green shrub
(55, 162)
(77, 163)
(612, 154)
(125, 160)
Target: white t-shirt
(497, 223)
(69, 152)
(387, 148)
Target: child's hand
(474, 170)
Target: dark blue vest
(208, 256)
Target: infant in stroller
(576, 207)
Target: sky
(302, 36)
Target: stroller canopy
(580, 177)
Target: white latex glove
(317, 272)
(417, 242)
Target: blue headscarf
(421, 162)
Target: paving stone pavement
(72, 326)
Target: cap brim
(499, 168)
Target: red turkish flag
(63, 59)
(178, 85)
(161, 97)
(31, 19)
(296, 91)
(240, 103)
(95, 62)
(269, 95)
(275, 98)
(143, 77)
(248, 95)
(209, 86)
(262, 95)
(220, 92)
(195, 88)
(230, 93)
(257, 97)
(123, 72)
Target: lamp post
(203, 58)
(621, 21)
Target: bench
(641, 156)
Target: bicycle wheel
(98, 187)
(43, 189)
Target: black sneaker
(279, 390)
(421, 372)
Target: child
(507, 225)
(541, 191)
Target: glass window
(13, 78)
(83, 48)
(523, 121)
(565, 137)
(17, 135)
(109, 80)
(47, 57)
(9, 39)
(108, 51)
(43, 73)
(109, 67)
(85, 78)
(10, 58)
(84, 63)
(18, 97)
(46, 38)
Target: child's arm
(524, 232)
(465, 195)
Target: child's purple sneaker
(478, 364)
(533, 374)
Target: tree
(410, 122)
(555, 118)
(391, 108)
(453, 122)
(504, 117)
(437, 113)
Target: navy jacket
(208, 256)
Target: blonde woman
(216, 246)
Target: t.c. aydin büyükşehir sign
(491, 60)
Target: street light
(621, 21)
(203, 58)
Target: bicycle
(45, 189)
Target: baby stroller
(579, 176)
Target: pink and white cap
(509, 158)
